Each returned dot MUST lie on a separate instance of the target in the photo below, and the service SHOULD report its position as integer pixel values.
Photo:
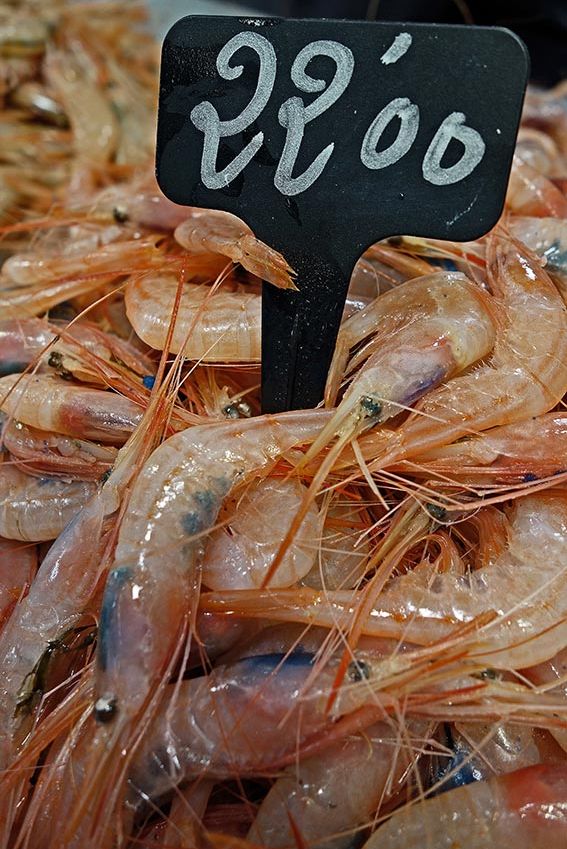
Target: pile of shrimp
(336, 627)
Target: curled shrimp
(427, 330)
(238, 555)
(51, 404)
(223, 327)
(530, 193)
(525, 376)
(522, 591)
(36, 509)
(526, 807)
(213, 231)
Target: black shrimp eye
(371, 408)
(358, 670)
(436, 512)
(120, 214)
(105, 710)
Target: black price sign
(326, 136)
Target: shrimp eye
(358, 670)
(105, 710)
(436, 512)
(231, 411)
(120, 214)
(370, 407)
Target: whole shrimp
(223, 327)
(37, 509)
(523, 590)
(51, 404)
(213, 231)
(427, 329)
(525, 376)
(526, 808)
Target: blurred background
(542, 24)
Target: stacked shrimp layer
(328, 627)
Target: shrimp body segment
(51, 404)
(37, 509)
(526, 809)
(223, 327)
(217, 232)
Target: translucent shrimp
(478, 751)
(223, 327)
(64, 349)
(39, 451)
(51, 404)
(175, 502)
(115, 258)
(92, 119)
(237, 556)
(339, 790)
(428, 330)
(216, 232)
(525, 376)
(530, 193)
(523, 590)
(526, 809)
(547, 237)
(18, 565)
(36, 509)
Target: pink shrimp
(18, 565)
(527, 808)
(523, 590)
(213, 231)
(51, 404)
(530, 193)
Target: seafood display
(327, 628)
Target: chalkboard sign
(327, 136)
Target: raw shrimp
(39, 451)
(428, 330)
(237, 556)
(525, 376)
(524, 590)
(547, 237)
(52, 404)
(63, 348)
(174, 502)
(526, 808)
(523, 451)
(115, 258)
(90, 114)
(530, 193)
(477, 752)
(18, 564)
(36, 509)
(339, 790)
(223, 327)
(213, 231)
